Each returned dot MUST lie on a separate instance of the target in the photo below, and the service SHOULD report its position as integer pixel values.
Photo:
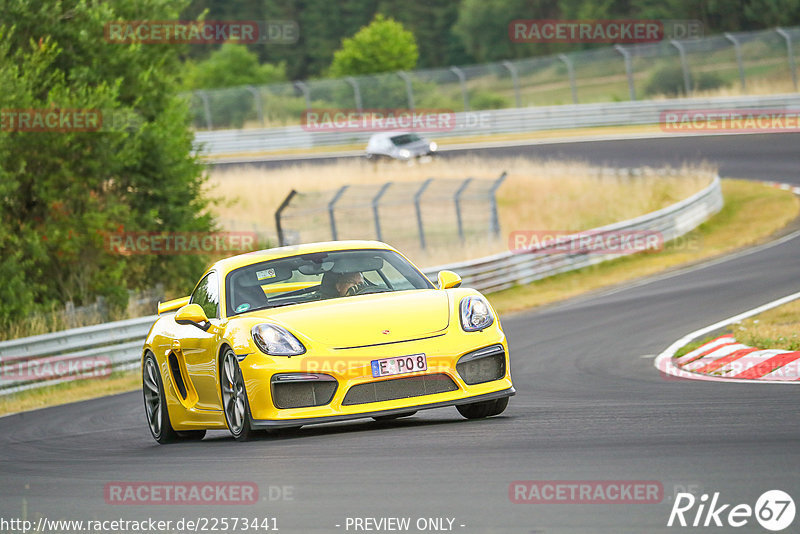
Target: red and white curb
(724, 357)
(725, 360)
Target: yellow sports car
(317, 333)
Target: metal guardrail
(28, 363)
(478, 123)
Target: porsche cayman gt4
(317, 333)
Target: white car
(399, 145)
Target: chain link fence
(619, 73)
(424, 214)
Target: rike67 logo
(774, 510)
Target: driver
(339, 285)
(349, 283)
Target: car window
(319, 276)
(405, 139)
(206, 295)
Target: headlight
(276, 341)
(475, 314)
(403, 153)
(433, 147)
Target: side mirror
(448, 279)
(192, 314)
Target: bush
(668, 80)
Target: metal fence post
(417, 197)
(375, 203)
(206, 108)
(306, 93)
(737, 47)
(462, 80)
(626, 56)
(515, 80)
(789, 54)
(494, 221)
(571, 73)
(257, 99)
(356, 92)
(278, 212)
(331, 216)
(687, 80)
(409, 89)
(457, 201)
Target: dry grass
(537, 195)
(70, 392)
(778, 328)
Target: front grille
(399, 388)
(302, 391)
(482, 365)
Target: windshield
(405, 139)
(319, 276)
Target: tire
(155, 403)
(479, 410)
(234, 397)
(394, 416)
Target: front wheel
(479, 410)
(155, 403)
(234, 397)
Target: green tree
(383, 46)
(62, 192)
(230, 66)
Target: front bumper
(272, 423)
(351, 369)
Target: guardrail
(35, 361)
(238, 143)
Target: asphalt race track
(590, 406)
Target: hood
(357, 321)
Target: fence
(233, 145)
(427, 213)
(120, 343)
(610, 74)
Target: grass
(67, 392)
(778, 328)
(740, 223)
(689, 347)
(537, 195)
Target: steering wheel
(366, 289)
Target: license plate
(399, 365)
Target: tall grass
(537, 195)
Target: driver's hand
(355, 288)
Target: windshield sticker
(263, 275)
(242, 307)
